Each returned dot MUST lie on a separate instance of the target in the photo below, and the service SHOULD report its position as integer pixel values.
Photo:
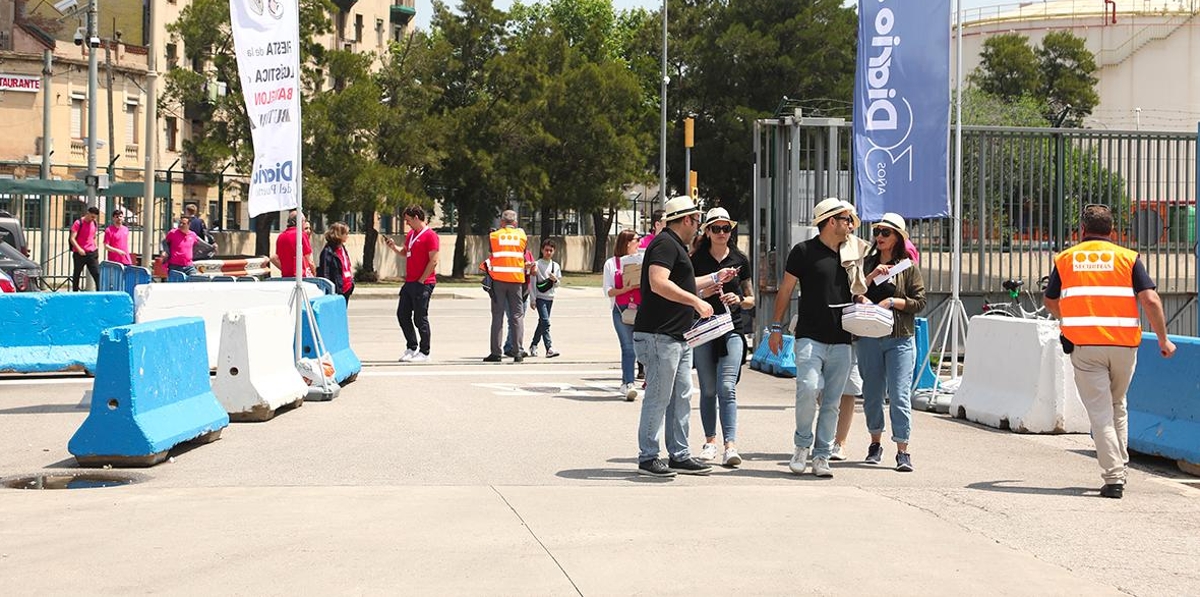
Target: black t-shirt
(878, 292)
(823, 282)
(657, 315)
(704, 264)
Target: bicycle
(1014, 307)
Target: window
(172, 133)
(172, 56)
(340, 23)
(76, 117)
(358, 28)
(379, 32)
(73, 209)
(131, 127)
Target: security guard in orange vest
(1094, 291)
(507, 266)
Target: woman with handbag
(547, 274)
(719, 361)
(887, 363)
(624, 295)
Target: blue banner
(902, 108)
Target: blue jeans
(668, 365)
(189, 270)
(543, 327)
(625, 337)
(718, 384)
(887, 366)
(821, 371)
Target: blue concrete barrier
(151, 394)
(42, 332)
(1164, 401)
(112, 277)
(923, 377)
(330, 314)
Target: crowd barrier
(1164, 402)
(330, 315)
(1017, 377)
(250, 266)
(923, 376)
(42, 332)
(117, 277)
(210, 302)
(151, 394)
(324, 284)
(256, 374)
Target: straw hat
(718, 214)
(833, 206)
(679, 207)
(893, 221)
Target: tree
(1008, 67)
(1068, 80)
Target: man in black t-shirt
(822, 348)
(668, 309)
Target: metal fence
(1023, 190)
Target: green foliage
(984, 109)
(1068, 76)
(1008, 67)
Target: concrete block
(1164, 402)
(151, 394)
(153, 302)
(43, 332)
(256, 373)
(330, 314)
(1017, 377)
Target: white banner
(20, 83)
(266, 37)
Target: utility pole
(47, 72)
(688, 142)
(112, 138)
(149, 148)
(662, 145)
(93, 42)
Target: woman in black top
(335, 264)
(718, 362)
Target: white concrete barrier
(256, 370)
(1017, 377)
(210, 301)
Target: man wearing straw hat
(823, 266)
(669, 307)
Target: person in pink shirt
(285, 250)
(116, 239)
(180, 242)
(656, 226)
(84, 252)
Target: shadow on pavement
(1000, 487)
(44, 409)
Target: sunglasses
(726, 229)
(846, 219)
(882, 232)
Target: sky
(425, 7)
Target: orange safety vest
(1098, 304)
(507, 262)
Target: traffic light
(693, 182)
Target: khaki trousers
(1103, 374)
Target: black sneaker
(904, 462)
(1112, 490)
(655, 468)
(492, 358)
(690, 466)
(520, 357)
(874, 454)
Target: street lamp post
(93, 42)
(662, 147)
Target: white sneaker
(820, 467)
(420, 357)
(709, 452)
(630, 392)
(731, 457)
(799, 461)
(408, 355)
(533, 351)
(836, 453)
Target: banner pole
(956, 218)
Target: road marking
(490, 372)
(541, 388)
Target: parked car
(24, 275)
(6, 284)
(12, 233)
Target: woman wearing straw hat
(887, 363)
(719, 362)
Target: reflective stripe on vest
(1098, 303)
(508, 255)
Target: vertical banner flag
(902, 108)
(266, 38)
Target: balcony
(401, 15)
